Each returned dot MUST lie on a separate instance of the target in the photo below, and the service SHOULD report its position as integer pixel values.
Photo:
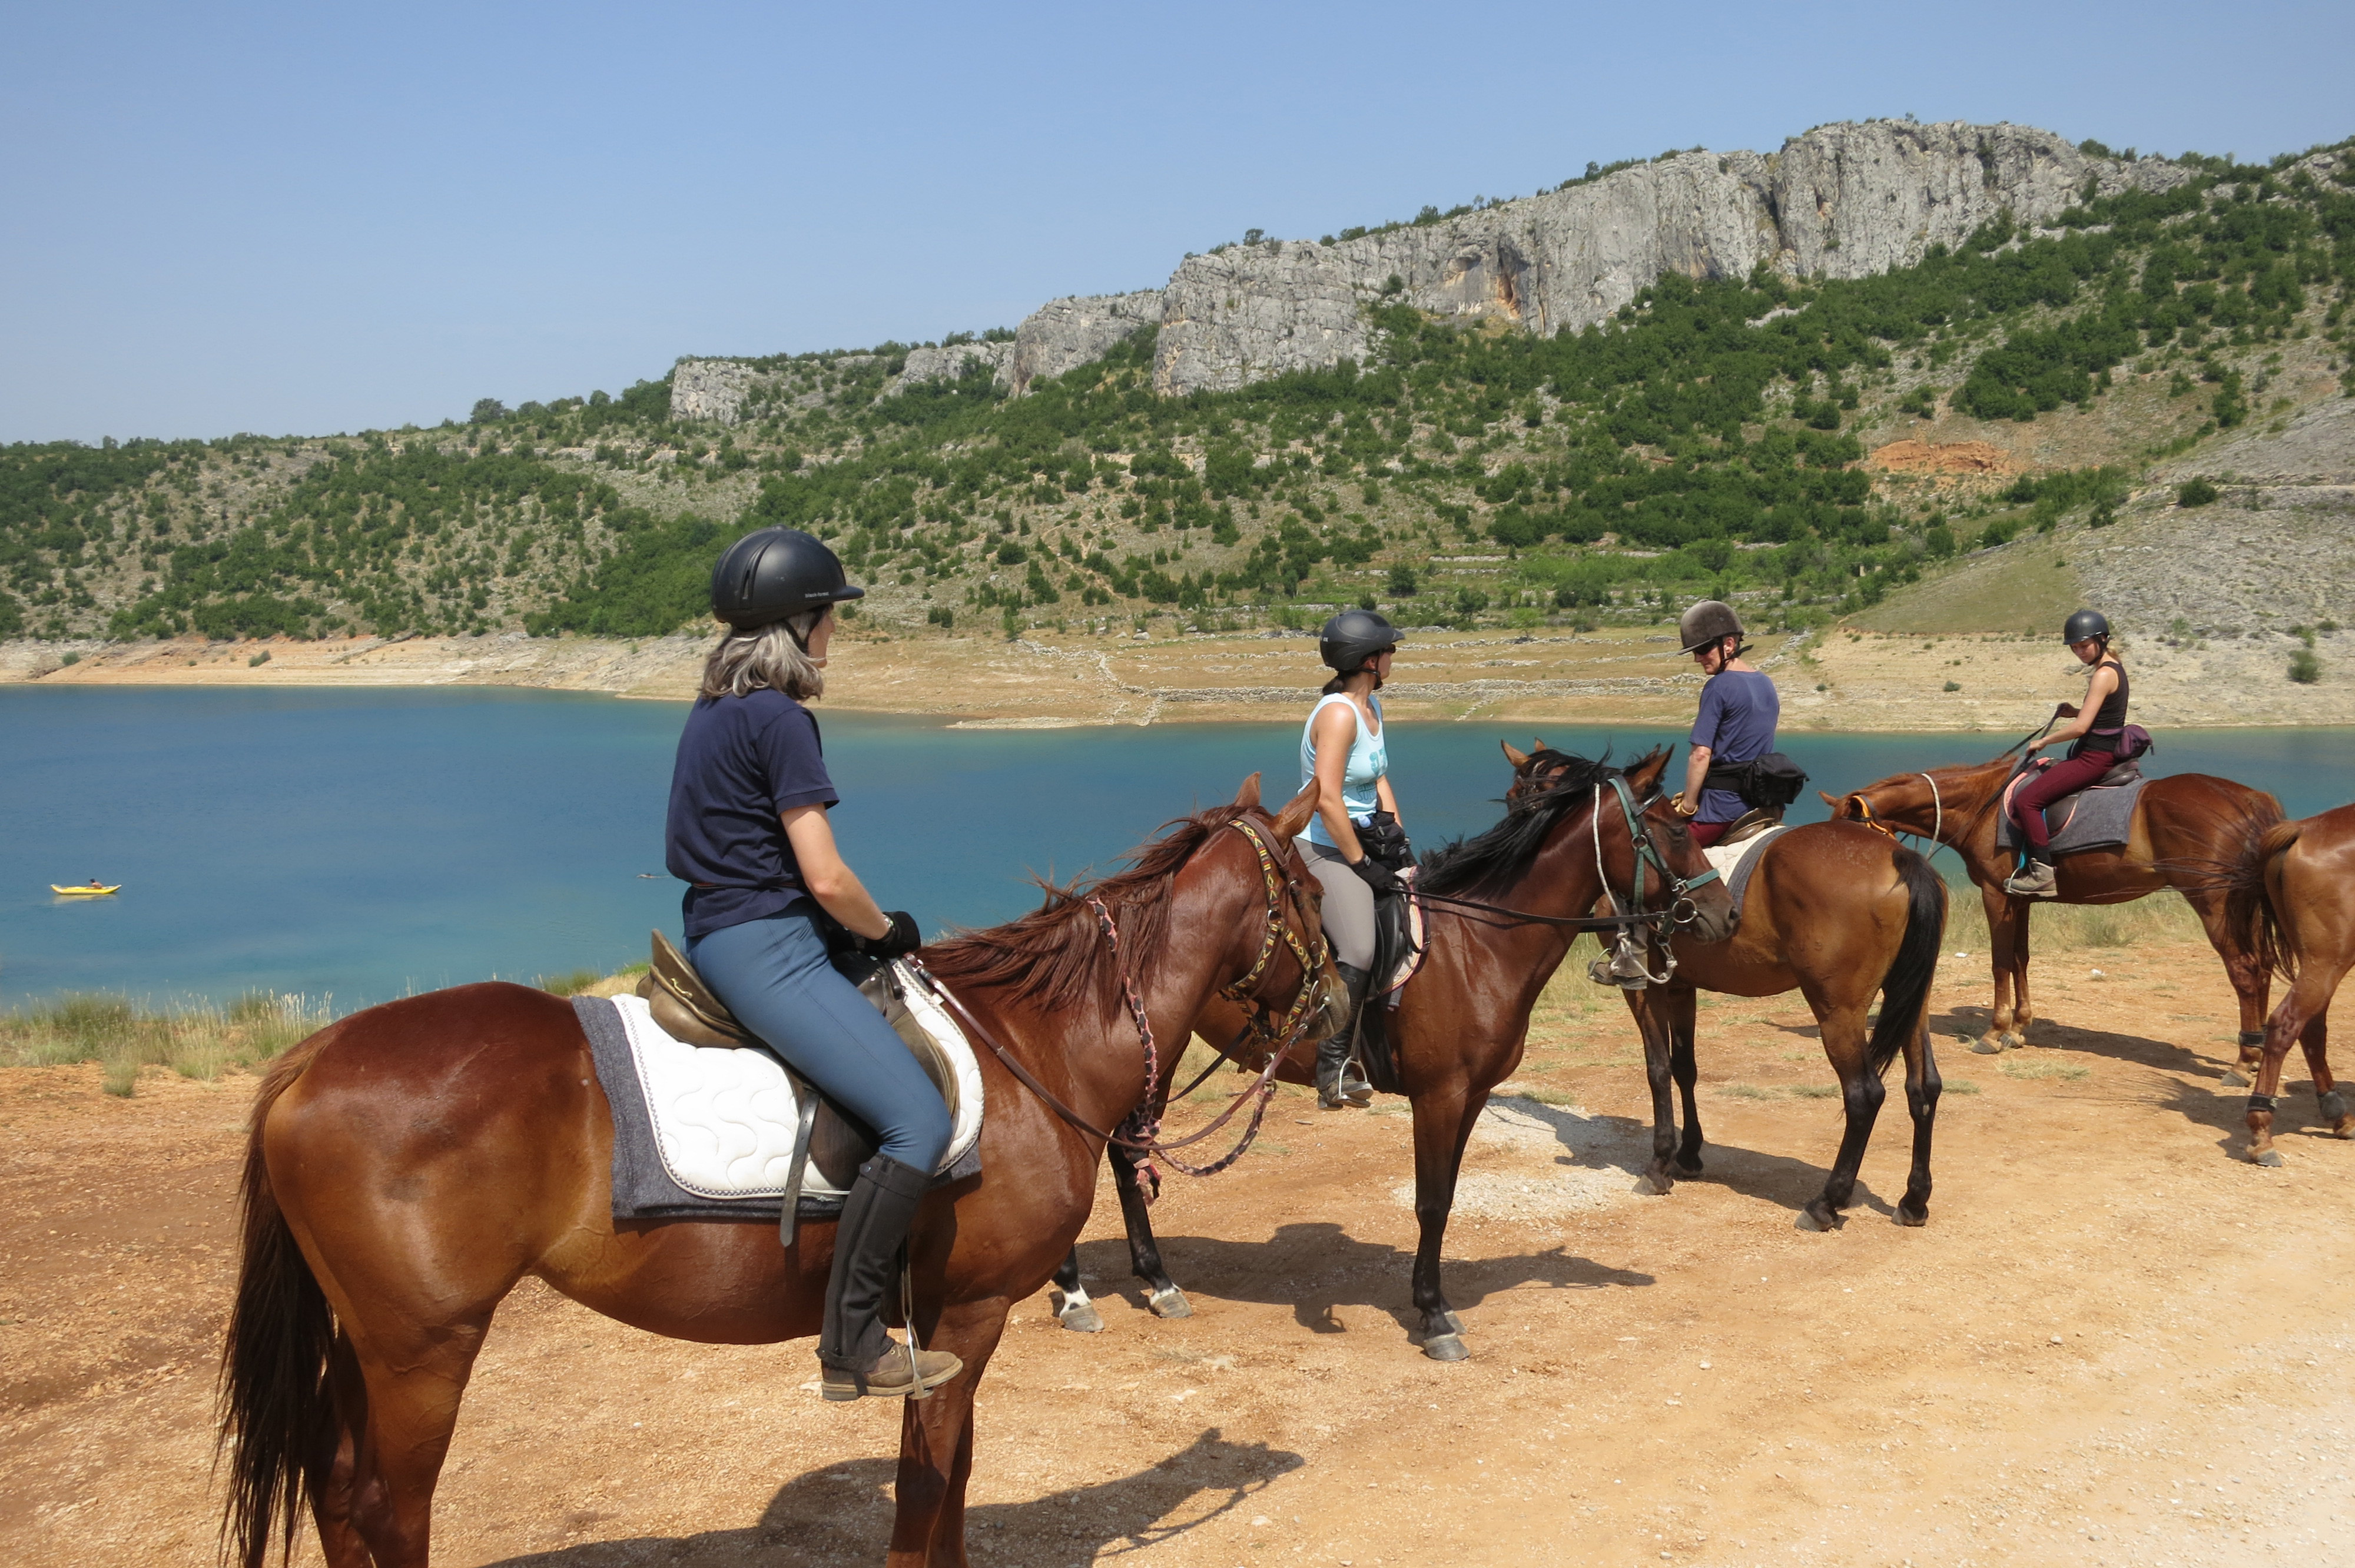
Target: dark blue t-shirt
(742, 762)
(1738, 709)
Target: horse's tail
(2253, 923)
(274, 1410)
(1906, 989)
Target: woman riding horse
(2098, 732)
(1739, 710)
(748, 835)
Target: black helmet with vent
(1353, 637)
(1706, 622)
(2083, 624)
(774, 573)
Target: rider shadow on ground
(842, 1513)
(1960, 1028)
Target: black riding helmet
(2083, 624)
(773, 573)
(1706, 622)
(1352, 638)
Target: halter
(1937, 820)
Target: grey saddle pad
(2092, 819)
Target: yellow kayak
(91, 891)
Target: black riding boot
(1337, 1084)
(857, 1352)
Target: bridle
(1678, 913)
(1140, 1130)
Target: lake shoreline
(1838, 681)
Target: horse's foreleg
(1442, 1128)
(1144, 1251)
(1683, 1008)
(1076, 1310)
(937, 1443)
(1922, 1087)
(2007, 920)
(1652, 1022)
(1861, 1091)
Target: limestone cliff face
(1842, 201)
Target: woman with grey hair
(749, 834)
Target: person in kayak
(1739, 711)
(748, 832)
(2097, 735)
(1345, 752)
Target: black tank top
(2104, 736)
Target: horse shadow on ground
(1316, 1268)
(842, 1513)
(1959, 1029)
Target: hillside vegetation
(1710, 439)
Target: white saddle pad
(1734, 863)
(724, 1117)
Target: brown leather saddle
(1750, 825)
(687, 1010)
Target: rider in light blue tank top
(1369, 760)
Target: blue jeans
(774, 975)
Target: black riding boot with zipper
(857, 1352)
(1338, 1084)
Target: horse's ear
(1519, 760)
(1536, 743)
(1248, 796)
(1646, 774)
(1839, 803)
(1296, 812)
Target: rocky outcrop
(710, 389)
(1063, 332)
(1842, 201)
(948, 364)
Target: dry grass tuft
(2160, 917)
(200, 1041)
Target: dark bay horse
(409, 1164)
(2183, 826)
(2291, 902)
(1463, 1020)
(1839, 913)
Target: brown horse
(2182, 827)
(409, 1164)
(2291, 902)
(1839, 913)
(1462, 1023)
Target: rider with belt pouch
(2098, 732)
(748, 832)
(1739, 711)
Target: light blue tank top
(1370, 760)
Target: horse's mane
(1050, 956)
(1492, 863)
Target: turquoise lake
(360, 844)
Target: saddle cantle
(682, 1005)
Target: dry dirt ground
(2114, 1343)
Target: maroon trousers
(2028, 803)
(1706, 834)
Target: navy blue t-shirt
(1738, 709)
(742, 762)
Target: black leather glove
(1377, 876)
(903, 937)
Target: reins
(1680, 912)
(1142, 1123)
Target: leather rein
(1140, 1130)
(1678, 913)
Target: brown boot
(2035, 880)
(892, 1376)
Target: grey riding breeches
(1349, 905)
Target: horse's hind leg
(1077, 1309)
(1862, 1093)
(1652, 1019)
(2328, 1099)
(1922, 1087)
(396, 1404)
(1161, 1292)
(1443, 1126)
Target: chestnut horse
(2182, 827)
(2291, 902)
(409, 1164)
(1462, 1023)
(1839, 913)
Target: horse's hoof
(2344, 1129)
(2270, 1158)
(1654, 1186)
(1083, 1318)
(2016, 1041)
(1688, 1168)
(1987, 1048)
(1811, 1221)
(1909, 1215)
(2233, 1079)
(1170, 1303)
(2333, 1108)
(1444, 1348)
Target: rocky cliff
(1842, 201)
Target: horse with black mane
(1502, 910)
(409, 1164)
(1840, 914)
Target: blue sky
(312, 218)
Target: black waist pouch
(1763, 784)
(1384, 842)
